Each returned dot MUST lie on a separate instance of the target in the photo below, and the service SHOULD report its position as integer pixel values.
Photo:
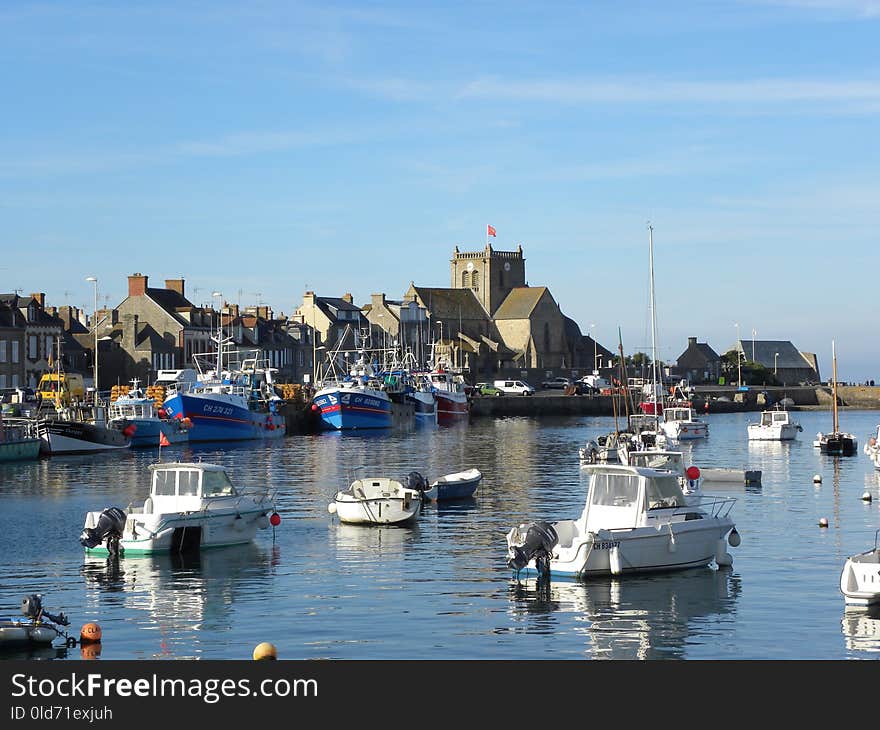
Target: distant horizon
(266, 150)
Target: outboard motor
(32, 608)
(540, 539)
(414, 480)
(111, 522)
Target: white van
(516, 387)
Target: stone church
(491, 321)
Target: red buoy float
(693, 472)
(275, 519)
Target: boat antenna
(654, 381)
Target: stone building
(699, 363)
(338, 325)
(399, 324)
(159, 328)
(42, 333)
(781, 357)
(12, 344)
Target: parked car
(488, 389)
(559, 383)
(515, 387)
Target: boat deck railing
(715, 506)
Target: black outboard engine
(32, 608)
(540, 540)
(414, 480)
(110, 525)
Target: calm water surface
(440, 589)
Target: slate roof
(449, 304)
(520, 302)
(764, 353)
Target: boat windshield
(664, 492)
(216, 484)
(614, 490)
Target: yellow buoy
(90, 633)
(265, 651)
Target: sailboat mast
(653, 315)
(834, 384)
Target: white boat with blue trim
(190, 506)
(635, 520)
(860, 577)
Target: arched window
(464, 280)
(475, 281)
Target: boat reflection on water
(357, 544)
(861, 628)
(652, 616)
(187, 597)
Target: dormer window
(32, 313)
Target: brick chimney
(137, 285)
(41, 299)
(175, 285)
(692, 341)
(348, 298)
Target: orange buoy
(91, 650)
(90, 633)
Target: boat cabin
(674, 413)
(623, 497)
(774, 418)
(183, 487)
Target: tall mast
(834, 384)
(653, 315)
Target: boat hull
(685, 431)
(20, 450)
(425, 407)
(454, 486)
(148, 430)
(79, 437)
(838, 444)
(343, 409)
(23, 633)
(451, 408)
(218, 417)
(163, 533)
(782, 432)
(377, 511)
(860, 579)
(643, 550)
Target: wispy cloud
(652, 90)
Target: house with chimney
(158, 328)
(699, 363)
(12, 344)
(338, 325)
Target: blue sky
(264, 148)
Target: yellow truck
(65, 388)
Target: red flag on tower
(163, 439)
(490, 231)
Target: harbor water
(440, 588)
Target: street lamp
(775, 363)
(738, 358)
(94, 280)
(595, 350)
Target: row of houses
(488, 321)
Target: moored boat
(872, 448)
(680, 424)
(73, 431)
(775, 425)
(860, 577)
(635, 520)
(135, 409)
(19, 440)
(452, 401)
(39, 627)
(837, 442)
(190, 506)
(460, 485)
(379, 501)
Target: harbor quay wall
(301, 418)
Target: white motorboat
(190, 506)
(690, 479)
(379, 501)
(460, 485)
(860, 577)
(776, 425)
(635, 520)
(39, 627)
(680, 423)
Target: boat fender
(733, 538)
(722, 557)
(614, 560)
(331, 508)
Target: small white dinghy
(378, 501)
(860, 578)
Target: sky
(262, 149)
